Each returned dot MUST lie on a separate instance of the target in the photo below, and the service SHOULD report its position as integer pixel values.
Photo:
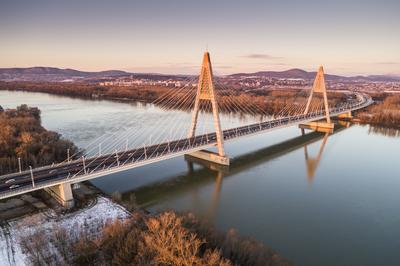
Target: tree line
(385, 112)
(165, 238)
(258, 101)
(22, 136)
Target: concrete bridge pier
(346, 116)
(319, 126)
(344, 123)
(63, 194)
(210, 156)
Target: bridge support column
(63, 194)
(346, 116)
(210, 156)
(319, 87)
(318, 126)
(344, 123)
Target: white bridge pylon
(206, 92)
(319, 86)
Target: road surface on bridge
(89, 168)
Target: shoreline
(126, 100)
(44, 222)
(93, 222)
(94, 209)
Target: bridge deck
(79, 170)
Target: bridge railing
(361, 102)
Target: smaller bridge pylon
(346, 116)
(319, 86)
(344, 123)
(206, 92)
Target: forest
(22, 136)
(385, 112)
(267, 102)
(165, 238)
(88, 90)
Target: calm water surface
(336, 203)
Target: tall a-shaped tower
(206, 92)
(319, 87)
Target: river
(315, 199)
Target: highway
(85, 166)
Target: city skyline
(348, 38)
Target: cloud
(261, 56)
(223, 66)
(388, 63)
(279, 64)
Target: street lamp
(33, 180)
(19, 164)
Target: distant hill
(54, 74)
(379, 78)
(302, 74)
(59, 75)
(291, 73)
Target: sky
(169, 36)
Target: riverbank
(384, 113)
(90, 91)
(103, 231)
(13, 232)
(38, 201)
(265, 102)
(35, 230)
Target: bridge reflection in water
(195, 178)
(313, 162)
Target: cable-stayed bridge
(310, 109)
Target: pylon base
(210, 157)
(207, 164)
(319, 126)
(346, 116)
(344, 123)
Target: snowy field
(94, 217)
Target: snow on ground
(93, 217)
